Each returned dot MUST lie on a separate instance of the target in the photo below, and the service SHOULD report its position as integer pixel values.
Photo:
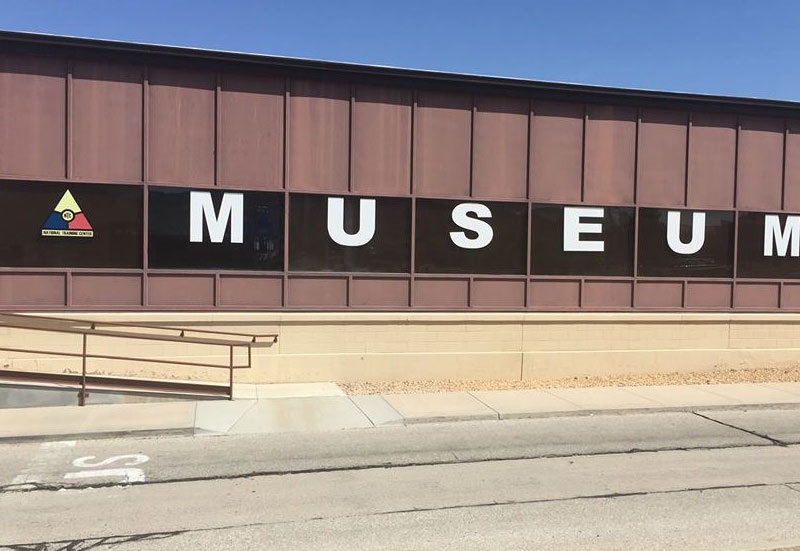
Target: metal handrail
(253, 338)
(52, 324)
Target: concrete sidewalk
(324, 407)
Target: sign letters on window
(92, 225)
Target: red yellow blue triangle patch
(67, 220)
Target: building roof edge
(21, 42)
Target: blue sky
(730, 47)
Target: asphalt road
(724, 480)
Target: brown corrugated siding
(369, 292)
(98, 121)
(251, 126)
(791, 192)
(381, 154)
(606, 294)
(441, 293)
(662, 158)
(756, 295)
(181, 121)
(106, 129)
(442, 144)
(327, 292)
(238, 291)
(33, 92)
(33, 290)
(790, 296)
(610, 155)
(712, 161)
(556, 159)
(180, 290)
(499, 148)
(700, 294)
(659, 294)
(105, 290)
(554, 294)
(319, 136)
(760, 167)
(497, 293)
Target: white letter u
(366, 222)
(674, 228)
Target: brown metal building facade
(84, 111)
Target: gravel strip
(766, 375)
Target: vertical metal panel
(756, 295)
(712, 161)
(791, 186)
(317, 292)
(607, 294)
(555, 294)
(33, 116)
(659, 294)
(382, 292)
(557, 152)
(319, 136)
(610, 155)
(181, 126)
(251, 132)
(106, 290)
(68, 120)
(27, 289)
(528, 245)
(106, 125)
(217, 132)
(146, 178)
(180, 290)
(500, 148)
(441, 293)
(497, 293)
(759, 177)
(442, 137)
(662, 158)
(382, 141)
(700, 294)
(250, 291)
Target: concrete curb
(451, 418)
(639, 411)
(201, 432)
(147, 433)
(326, 409)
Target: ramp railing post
(230, 381)
(82, 395)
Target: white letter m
(781, 237)
(201, 208)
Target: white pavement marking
(132, 459)
(128, 474)
(32, 473)
(60, 444)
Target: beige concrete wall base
(391, 367)
(396, 346)
(565, 364)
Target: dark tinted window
(75, 225)
(436, 251)
(311, 247)
(751, 260)
(547, 243)
(169, 232)
(714, 259)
